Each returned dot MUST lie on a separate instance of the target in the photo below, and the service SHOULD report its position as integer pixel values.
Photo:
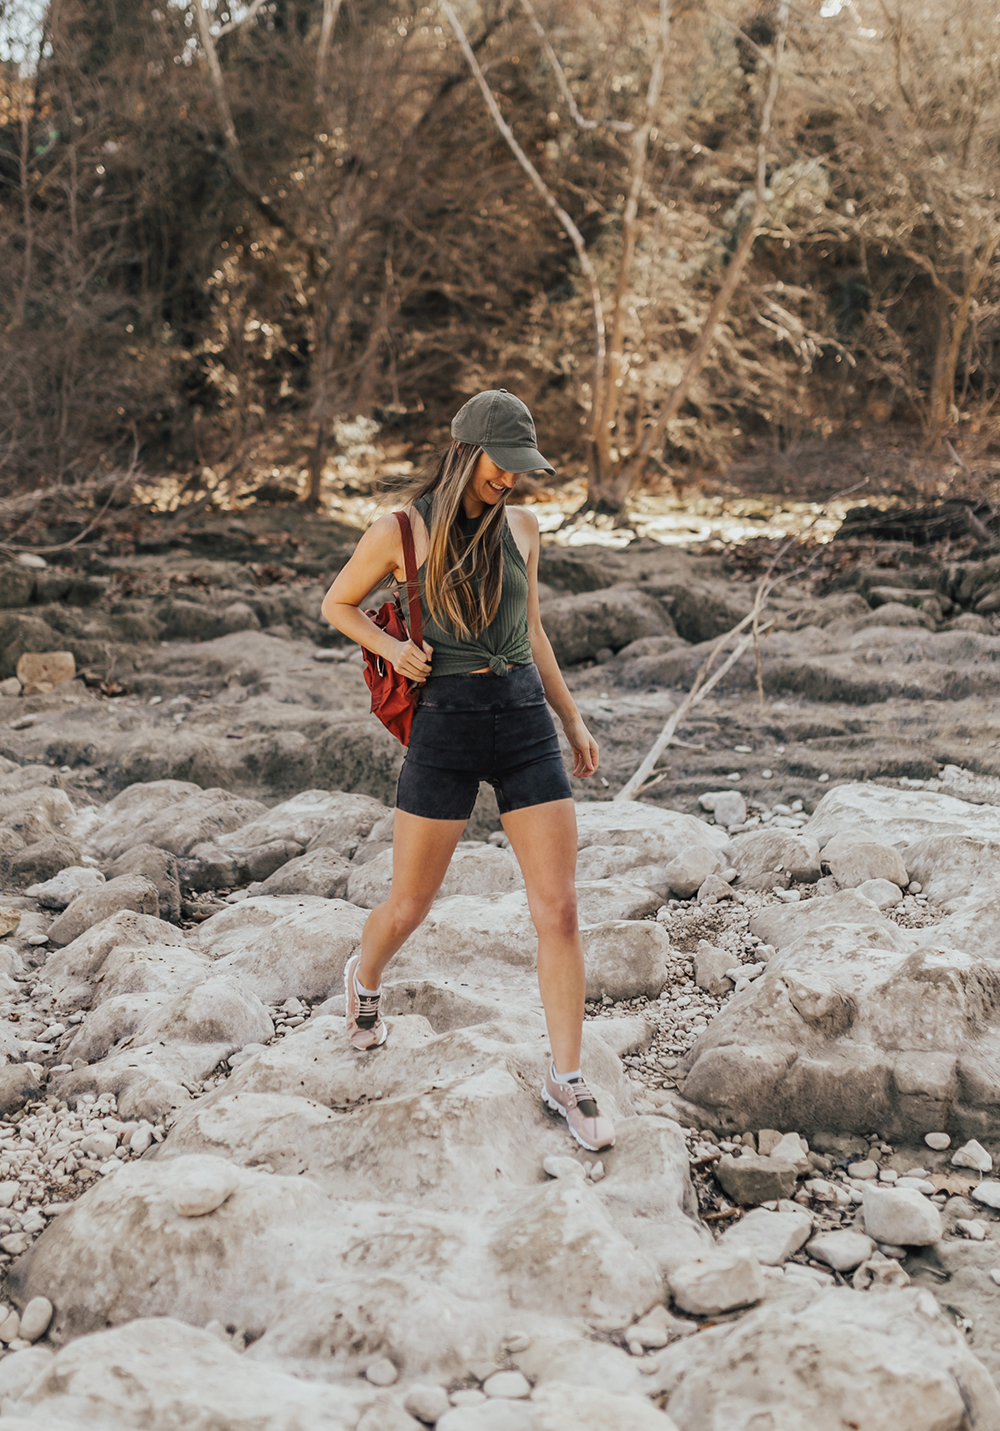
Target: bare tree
(613, 473)
(917, 86)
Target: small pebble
(467, 1398)
(426, 1403)
(974, 1228)
(558, 1165)
(381, 1372)
(995, 1275)
(509, 1385)
(937, 1141)
(517, 1342)
(972, 1155)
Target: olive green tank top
(505, 641)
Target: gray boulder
(763, 858)
(323, 872)
(131, 891)
(158, 866)
(625, 959)
(852, 860)
(580, 626)
(43, 859)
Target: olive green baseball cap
(501, 425)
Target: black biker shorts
(481, 727)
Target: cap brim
(519, 459)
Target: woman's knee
(556, 916)
(406, 912)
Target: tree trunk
(953, 320)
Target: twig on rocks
(697, 693)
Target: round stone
(426, 1403)
(35, 1319)
(381, 1372)
(937, 1141)
(510, 1385)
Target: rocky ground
(793, 997)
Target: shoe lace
(367, 1010)
(583, 1098)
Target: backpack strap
(412, 584)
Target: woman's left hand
(585, 753)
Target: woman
(487, 670)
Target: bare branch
(606, 403)
(621, 125)
(734, 273)
(699, 690)
(331, 9)
(566, 222)
(203, 21)
(235, 24)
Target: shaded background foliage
(362, 240)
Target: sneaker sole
(354, 961)
(555, 1107)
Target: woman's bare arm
(585, 751)
(379, 554)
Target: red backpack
(394, 698)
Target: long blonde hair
(462, 584)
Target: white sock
(372, 993)
(565, 1077)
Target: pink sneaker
(364, 1024)
(575, 1102)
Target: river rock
(718, 1282)
(580, 626)
(751, 1179)
(160, 1373)
(854, 860)
(625, 959)
(851, 1026)
(279, 952)
(728, 806)
(426, 1403)
(43, 859)
(842, 1250)
(901, 1217)
(133, 892)
(63, 888)
(659, 835)
(35, 1319)
(323, 873)
(972, 1155)
(690, 868)
(772, 1237)
(159, 866)
(883, 893)
(315, 819)
(884, 1361)
(711, 967)
(885, 816)
(764, 858)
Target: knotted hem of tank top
(499, 665)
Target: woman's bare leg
(421, 852)
(543, 837)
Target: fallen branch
(696, 694)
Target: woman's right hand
(410, 661)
